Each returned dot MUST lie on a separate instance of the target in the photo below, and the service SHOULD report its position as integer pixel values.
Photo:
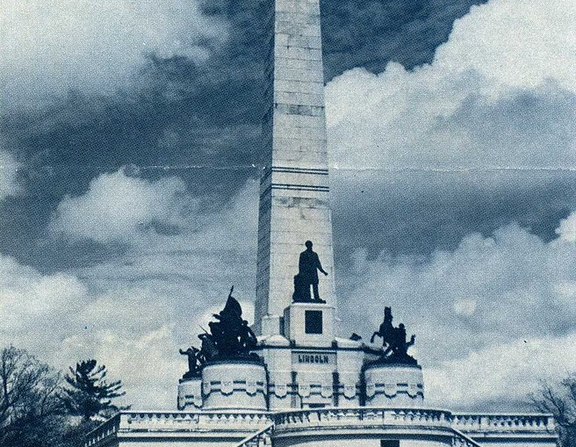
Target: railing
(181, 422)
(362, 417)
(261, 438)
(462, 427)
(107, 429)
(501, 423)
(193, 421)
(461, 440)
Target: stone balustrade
(161, 423)
(193, 421)
(494, 423)
(454, 424)
(459, 439)
(262, 438)
(106, 430)
(361, 417)
(461, 428)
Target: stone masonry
(294, 190)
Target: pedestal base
(310, 324)
(393, 385)
(190, 394)
(234, 384)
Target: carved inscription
(316, 358)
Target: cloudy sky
(129, 154)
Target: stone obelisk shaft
(294, 191)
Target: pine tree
(90, 395)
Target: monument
(294, 188)
(292, 381)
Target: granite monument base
(190, 393)
(238, 384)
(392, 384)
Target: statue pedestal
(238, 384)
(190, 394)
(396, 385)
(310, 324)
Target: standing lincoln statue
(308, 275)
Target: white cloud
(498, 307)
(513, 43)
(118, 208)
(134, 311)
(503, 373)
(27, 296)
(205, 248)
(8, 172)
(48, 47)
(59, 319)
(465, 307)
(499, 93)
(567, 228)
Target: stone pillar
(294, 191)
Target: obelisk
(294, 189)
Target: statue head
(308, 245)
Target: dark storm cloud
(418, 212)
(181, 112)
(369, 33)
(515, 167)
(199, 119)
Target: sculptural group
(394, 341)
(230, 337)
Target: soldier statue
(195, 360)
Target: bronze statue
(230, 336)
(385, 330)
(248, 339)
(208, 348)
(195, 359)
(394, 340)
(308, 266)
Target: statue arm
(319, 265)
